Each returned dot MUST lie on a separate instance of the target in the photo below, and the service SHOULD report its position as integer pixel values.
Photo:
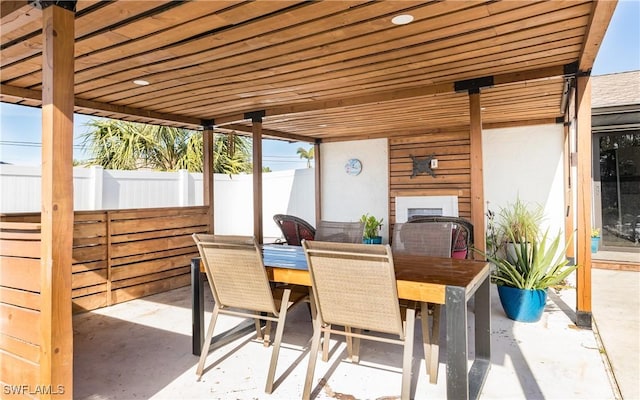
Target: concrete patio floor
(616, 311)
(142, 349)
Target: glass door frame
(597, 187)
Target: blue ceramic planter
(373, 240)
(522, 305)
(595, 241)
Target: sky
(20, 126)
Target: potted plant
(595, 240)
(523, 281)
(371, 229)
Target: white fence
(284, 192)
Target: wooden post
(583, 200)
(256, 119)
(318, 181)
(568, 193)
(231, 148)
(477, 180)
(109, 229)
(56, 346)
(207, 174)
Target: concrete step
(616, 265)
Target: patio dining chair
(240, 287)
(363, 306)
(294, 229)
(343, 232)
(339, 232)
(428, 239)
(461, 235)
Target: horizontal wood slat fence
(118, 255)
(20, 301)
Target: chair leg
(355, 357)
(426, 340)
(313, 356)
(435, 344)
(258, 329)
(407, 356)
(207, 341)
(282, 316)
(325, 344)
(349, 339)
(267, 333)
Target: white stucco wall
(346, 197)
(526, 162)
(283, 192)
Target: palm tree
(116, 144)
(308, 154)
(127, 145)
(239, 161)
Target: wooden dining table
(448, 281)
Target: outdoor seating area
(415, 113)
(361, 291)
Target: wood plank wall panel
(453, 175)
(89, 261)
(117, 255)
(151, 250)
(19, 302)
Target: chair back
(294, 229)
(235, 272)
(342, 232)
(428, 239)
(354, 285)
(462, 234)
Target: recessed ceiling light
(402, 19)
(141, 82)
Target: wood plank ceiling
(330, 70)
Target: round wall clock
(353, 167)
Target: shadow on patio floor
(142, 349)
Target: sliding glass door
(617, 174)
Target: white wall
(346, 197)
(526, 162)
(284, 192)
(21, 188)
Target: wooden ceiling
(330, 70)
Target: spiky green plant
(521, 219)
(536, 266)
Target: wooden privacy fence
(118, 255)
(19, 303)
